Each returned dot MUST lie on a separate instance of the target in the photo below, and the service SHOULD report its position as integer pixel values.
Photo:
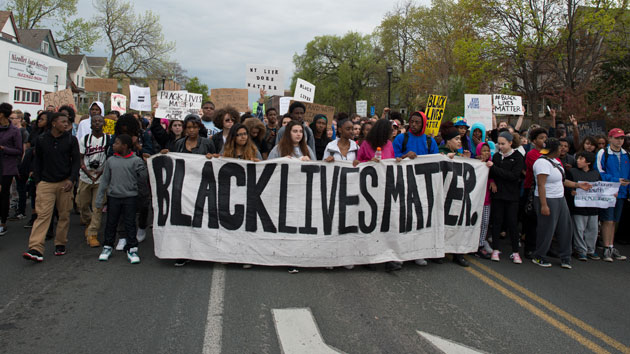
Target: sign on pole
(304, 91)
(268, 78)
(435, 112)
(176, 105)
(119, 103)
(140, 98)
(224, 97)
(362, 108)
(478, 109)
(506, 104)
(101, 85)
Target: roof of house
(33, 38)
(4, 17)
(73, 60)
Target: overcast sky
(216, 39)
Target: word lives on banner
(315, 214)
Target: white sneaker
(105, 254)
(421, 262)
(121, 244)
(132, 255)
(141, 235)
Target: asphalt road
(75, 304)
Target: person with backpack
(93, 149)
(613, 164)
(415, 142)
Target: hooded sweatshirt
(85, 126)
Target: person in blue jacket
(613, 163)
(415, 142)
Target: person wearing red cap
(613, 163)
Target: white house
(27, 74)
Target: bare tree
(136, 43)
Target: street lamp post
(389, 86)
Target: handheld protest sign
(506, 104)
(268, 78)
(435, 112)
(118, 103)
(478, 109)
(176, 105)
(304, 91)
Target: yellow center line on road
(538, 312)
(593, 331)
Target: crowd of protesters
(533, 173)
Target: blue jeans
(125, 208)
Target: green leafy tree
(70, 32)
(195, 86)
(343, 69)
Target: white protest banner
(119, 103)
(362, 108)
(176, 105)
(304, 91)
(602, 195)
(478, 109)
(315, 214)
(506, 104)
(268, 78)
(285, 102)
(139, 98)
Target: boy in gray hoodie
(128, 172)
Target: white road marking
(447, 346)
(298, 332)
(214, 320)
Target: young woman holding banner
(293, 144)
(240, 146)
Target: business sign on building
(27, 68)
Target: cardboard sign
(435, 112)
(506, 104)
(362, 108)
(224, 97)
(59, 98)
(313, 109)
(478, 109)
(285, 102)
(176, 105)
(119, 103)
(140, 98)
(101, 85)
(304, 91)
(268, 78)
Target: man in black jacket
(56, 170)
